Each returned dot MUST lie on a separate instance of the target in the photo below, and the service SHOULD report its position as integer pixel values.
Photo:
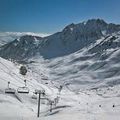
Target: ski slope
(19, 106)
(74, 103)
(90, 80)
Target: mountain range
(84, 53)
(71, 39)
(83, 58)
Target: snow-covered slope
(20, 106)
(83, 58)
(86, 104)
(95, 65)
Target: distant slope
(6, 37)
(98, 65)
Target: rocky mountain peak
(71, 39)
(96, 21)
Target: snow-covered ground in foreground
(19, 106)
(83, 104)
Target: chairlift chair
(10, 90)
(23, 89)
(34, 96)
(42, 92)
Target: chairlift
(34, 96)
(41, 91)
(23, 89)
(10, 90)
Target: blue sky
(49, 16)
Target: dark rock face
(72, 38)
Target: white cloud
(24, 33)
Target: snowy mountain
(82, 54)
(86, 99)
(24, 46)
(83, 58)
(71, 39)
(6, 37)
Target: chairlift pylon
(10, 90)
